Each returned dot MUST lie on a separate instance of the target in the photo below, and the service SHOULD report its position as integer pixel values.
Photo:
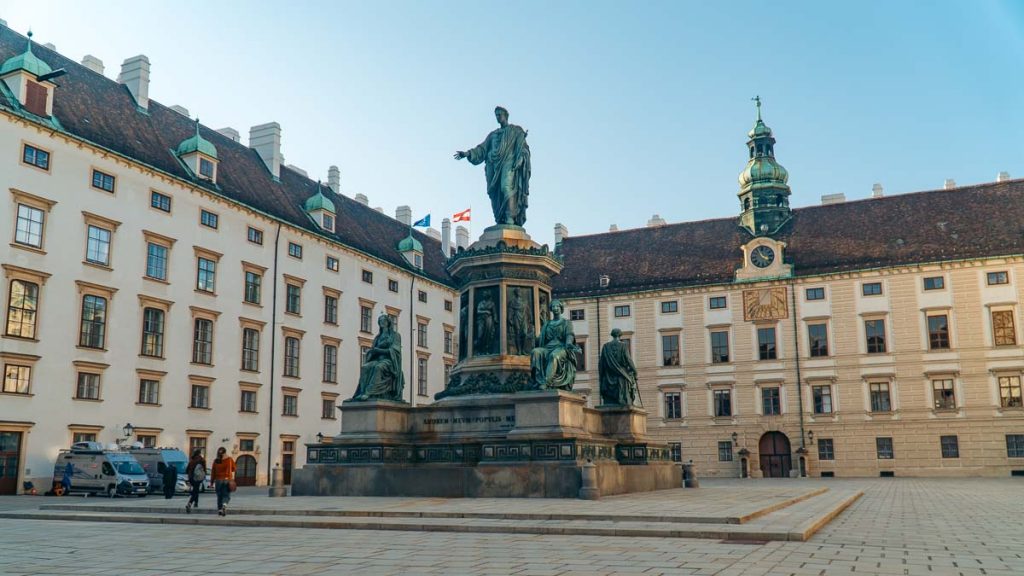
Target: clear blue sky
(633, 108)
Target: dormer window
(199, 155)
(36, 98)
(412, 250)
(321, 209)
(205, 168)
(328, 221)
(29, 79)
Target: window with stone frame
(147, 440)
(77, 437)
(254, 235)
(724, 451)
(826, 449)
(253, 287)
(938, 332)
(771, 401)
(152, 332)
(368, 278)
(944, 394)
(1015, 445)
(421, 376)
(200, 396)
(392, 284)
(149, 391)
(365, 320)
(421, 296)
(295, 250)
(202, 341)
(883, 448)
(291, 356)
(161, 202)
(881, 401)
(949, 446)
(97, 245)
(156, 261)
(622, 311)
(719, 346)
(328, 410)
(670, 349)
(675, 450)
(871, 288)
(17, 379)
(766, 346)
(247, 401)
(449, 340)
(246, 444)
(577, 314)
(995, 278)
(206, 275)
(673, 405)
(718, 302)
(290, 405)
(35, 157)
(330, 309)
(874, 333)
(817, 340)
(421, 334)
(209, 219)
(722, 402)
(88, 387)
(293, 299)
(447, 305)
(670, 307)
(1003, 330)
(934, 283)
(814, 294)
(94, 322)
(821, 397)
(250, 349)
(196, 443)
(330, 363)
(22, 306)
(29, 226)
(1010, 392)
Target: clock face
(762, 256)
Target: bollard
(689, 477)
(277, 488)
(589, 490)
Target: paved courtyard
(934, 527)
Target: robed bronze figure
(507, 166)
(617, 374)
(381, 374)
(553, 361)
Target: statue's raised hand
(460, 155)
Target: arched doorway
(245, 473)
(776, 458)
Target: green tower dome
(410, 244)
(319, 202)
(197, 143)
(764, 188)
(26, 61)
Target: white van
(156, 460)
(93, 469)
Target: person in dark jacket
(196, 472)
(170, 480)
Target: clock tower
(764, 193)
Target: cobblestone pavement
(933, 527)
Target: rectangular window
(328, 221)
(871, 288)
(998, 278)
(332, 264)
(670, 349)
(330, 309)
(449, 340)
(365, 319)
(622, 311)
(881, 401)
(153, 332)
(421, 334)
(392, 284)
(83, 437)
(205, 168)
(156, 261)
(725, 451)
(197, 443)
(291, 357)
(720, 347)
(1003, 331)
(718, 302)
(29, 226)
(934, 283)
(102, 180)
(36, 96)
(943, 393)
(254, 235)
(1010, 392)
(327, 409)
(202, 341)
(822, 398)
(577, 314)
(246, 445)
(36, 157)
(874, 332)
(149, 391)
(290, 406)
(938, 332)
(200, 396)
(771, 401)
(368, 278)
(22, 304)
(248, 401)
(673, 405)
(766, 349)
(826, 449)
(670, 307)
(17, 378)
(447, 305)
(675, 450)
(250, 349)
(723, 403)
(147, 440)
(206, 275)
(209, 219)
(97, 248)
(330, 363)
(421, 376)
(1015, 445)
(422, 296)
(883, 448)
(815, 294)
(253, 284)
(293, 299)
(295, 250)
(950, 446)
(817, 337)
(160, 201)
(88, 386)
(94, 322)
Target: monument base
(527, 444)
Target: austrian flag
(461, 216)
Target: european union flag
(424, 222)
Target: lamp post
(319, 437)
(735, 439)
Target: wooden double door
(10, 456)
(776, 455)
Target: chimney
(135, 76)
(334, 179)
(655, 221)
(379, 209)
(230, 133)
(446, 237)
(181, 110)
(265, 139)
(613, 228)
(93, 63)
(433, 233)
(877, 191)
(404, 215)
(362, 199)
(949, 184)
(561, 233)
(50, 46)
(833, 198)
(1002, 177)
(461, 237)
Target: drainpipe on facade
(412, 345)
(273, 358)
(796, 356)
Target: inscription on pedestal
(468, 420)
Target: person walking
(223, 479)
(170, 478)
(196, 473)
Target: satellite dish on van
(112, 446)
(137, 446)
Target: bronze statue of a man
(507, 158)
(617, 374)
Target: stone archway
(776, 455)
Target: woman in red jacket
(223, 475)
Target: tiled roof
(941, 225)
(90, 106)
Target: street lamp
(810, 435)
(128, 430)
(735, 439)
(320, 437)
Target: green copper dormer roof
(26, 61)
(410, 244)
(319, 202)
(197, 143)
